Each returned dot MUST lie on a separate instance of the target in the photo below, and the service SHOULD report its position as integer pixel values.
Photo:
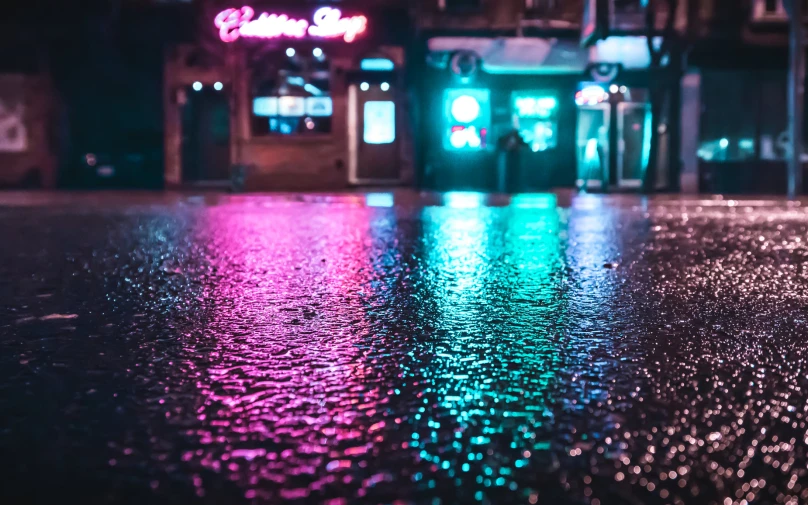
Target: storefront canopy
(518, 55)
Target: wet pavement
(397, 348)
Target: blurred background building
(493, 95)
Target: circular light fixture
(291, 52)
(458, 139)
(614, 88)
(723, 143)
(317, 52)
(623, 89)
(364, 86)
(385, 86)
(197, 86)
(465, 109)
(218, 86)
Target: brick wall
(27, 129)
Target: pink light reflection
(289, 389)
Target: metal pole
(796, 82)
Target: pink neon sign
(327, 23)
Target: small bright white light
(458, 139)
(547, 102)
(465, 109)
(290, 52)
(197, 86)
(614, 88)
(218, 86)
(385, 86)
(623, 89)
(724, 143)
(318, 53)
(364, 86)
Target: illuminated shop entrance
(613, 139)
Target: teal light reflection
(379, 199)
(463, 200)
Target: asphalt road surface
(402, 348)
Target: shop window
(292, 98)
(380, 122)
(536, 115)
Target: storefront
(289, 98)
(582, 115)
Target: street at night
(402, 348)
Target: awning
(518, 55)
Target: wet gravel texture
(445, 349)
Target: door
(373, 127)
(205, 135)
(633, 143)
(592, 144)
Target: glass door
(633, 143)
(592, 144)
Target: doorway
(205, 134)
(613, 144)
(592, 145)
(373, 127)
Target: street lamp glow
(218, 86)
(197, 86)
(290, 52)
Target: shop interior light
(290, 52)
(535, 106)
(197, 86)
(218, 86)
(465, 109)
(317, 53)
(385, 86)
(364, 86)
(547, 103)
(377, 64)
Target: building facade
(526, 95)
(737, 84)
(293, 95)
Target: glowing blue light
(218, 86)
(379, 199)
(380, 122)
(364, 86)
(547, 102)
(317, 52)
(465, 109)
(377, 64)
(197, 86)
(463, 200)
(534, 201)
(723, 143)
(291, 52)
(385, 86)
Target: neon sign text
(327, 23)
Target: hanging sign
(327, 23)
